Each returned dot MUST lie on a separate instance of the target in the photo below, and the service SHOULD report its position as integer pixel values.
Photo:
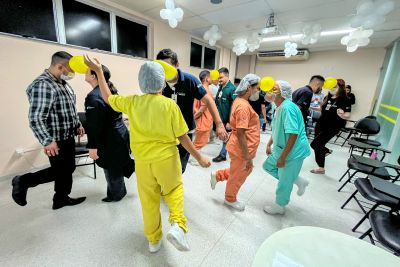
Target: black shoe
(219, 159)
(107, 199)
(19, 191)
(68, 202)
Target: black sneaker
(68, 202)
(19, 191)
(219, 159)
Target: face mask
(334, 91)
(270, 98)
(171, 85)
(67, 77)
(255, 96)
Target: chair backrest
(82, 118)
(368, 125)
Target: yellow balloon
(330, 83)
(214, 74)
(170, 71)
(77, 64)
(267, 83)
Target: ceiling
(240, 18)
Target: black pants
(116, 189)
(322, 137)
(184, 155)
(62, 167)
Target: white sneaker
(301, 185)
(153, 248)
(177, 237)
(193, 161)
(274, 209)
(236, 205)
(213, 180)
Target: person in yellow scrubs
(290, 147)
(156, 128)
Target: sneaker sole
(171, 238)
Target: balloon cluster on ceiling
(212, 35)
(172, 14)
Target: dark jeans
(184, 155)
(116, 189)
(62, 167)
(322, 137)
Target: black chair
(386, 228)
(81, 152)
(363, 129)
(367, 166)
(365, 189)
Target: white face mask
(67, 77)
(171, 85)
(270, 98)
(255, 96)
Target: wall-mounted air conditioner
(273, 56)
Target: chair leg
(368, 232)
(341, 178)
(347, 181)
(348, 200)
(365, 217)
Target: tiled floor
(110, 234)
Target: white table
(306, 246)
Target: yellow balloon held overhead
(330, 83)
(170, 71)
(267, 83)
(214, 74)
(77, 64)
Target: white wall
(360, 69)
(22, 60)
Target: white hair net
(249, 79)
(286, 89)
(151, 77)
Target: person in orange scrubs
(202, 115)
(243, 142)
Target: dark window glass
(86, 26)
(195, 55)
(28, 18)
(209, 58)
(131, 38)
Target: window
(202, 56)
(209, 58)
(28, 18)
(195, 55)
(131, 38)
(86, 26)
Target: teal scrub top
(287, 119)
(224, 99)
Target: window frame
(203, 45)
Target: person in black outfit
(302, 96)
(108, 138)
(54, 121)
(350, 95)
(335, 110)
(259, 106)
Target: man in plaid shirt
(54, 121)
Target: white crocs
(274, 209)
(177, 237)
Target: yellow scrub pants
(286, 177)
(162, 178)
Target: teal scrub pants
(286, 177)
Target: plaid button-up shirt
(52, 109)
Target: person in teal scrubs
(290, 147)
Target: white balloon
(307, 30)
(357, 21)
(352, 42)
(206, 35)
(287, 50)
(373, 20)
(363, 41)
(218, 36)
(173, 23)
(294, 52)
(294, 46)
(313, 40)
(178, 14)
(345, 40)
(356, 34)
(212, 42)
(384, 7)
(316, 28)
(287, 45)
(169, 4)
(367, 33)
(165, 13)
(287, 55)
(352, 48)
(365, 8)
